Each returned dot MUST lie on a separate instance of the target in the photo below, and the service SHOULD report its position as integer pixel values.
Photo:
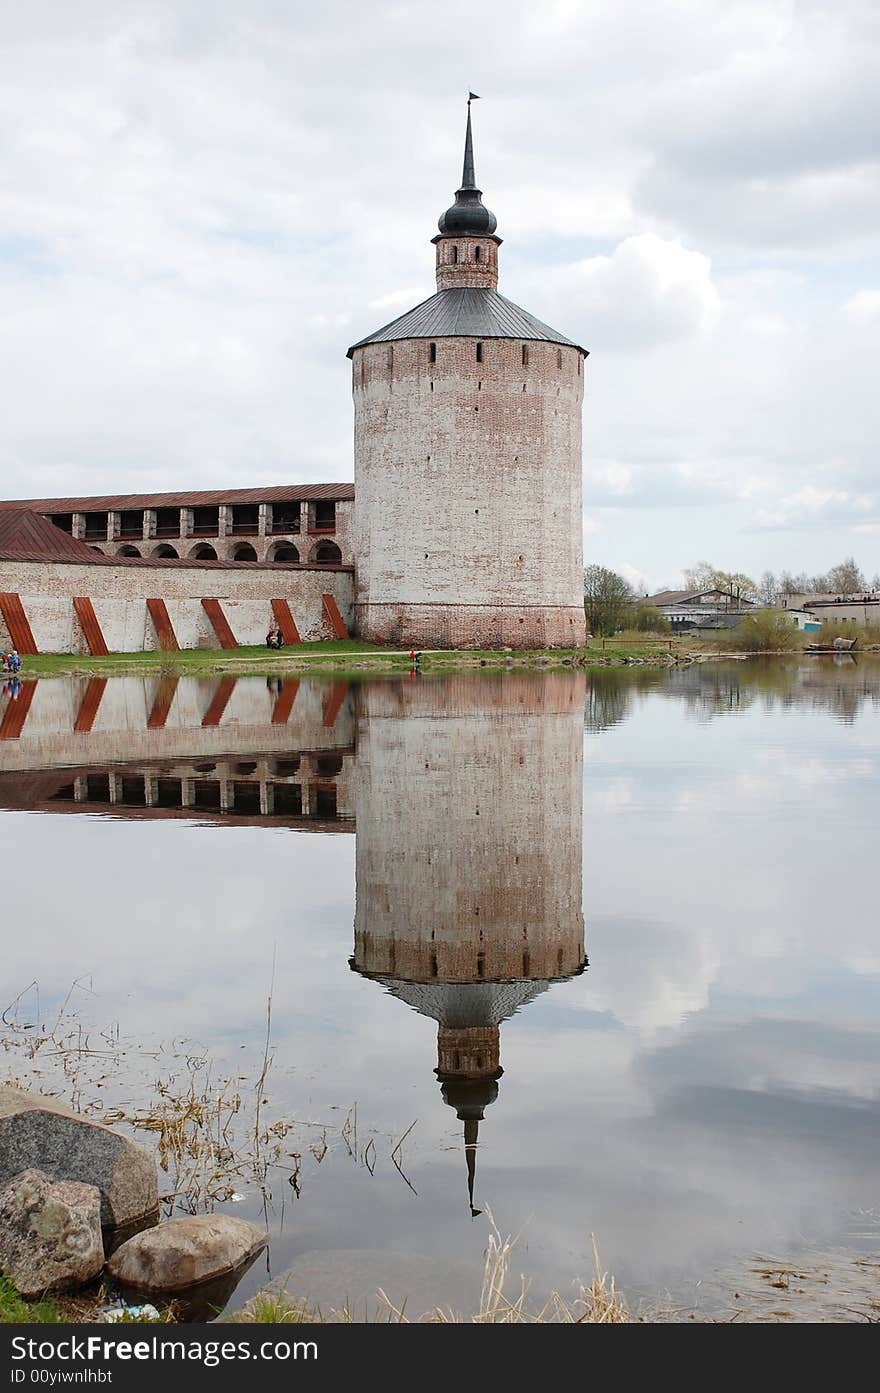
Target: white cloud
(634, 575)
(650, 290)
(202, 207)
(805, 505)
(863, 307)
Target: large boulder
(50, 1233)
(184, 1252)
(42, 1134)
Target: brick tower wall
(468, 528)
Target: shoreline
(351, 658)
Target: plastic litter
(124, 1312)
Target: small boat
(837, 645)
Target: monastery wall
(119, 595)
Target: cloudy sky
(201, 206)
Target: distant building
(825, 608)
(694, 609)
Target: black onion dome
(468, 217)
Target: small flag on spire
(472, 97)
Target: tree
(699, 577)
(608, 600)
(705, 576)
(787, 585)
(845, 578)
(768, 630)
(768, 588)
(647, 619)
(742, 587)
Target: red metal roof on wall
(26, 536)
(284, 493)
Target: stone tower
(468, 527)
(468, 799)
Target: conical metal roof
(466, 312)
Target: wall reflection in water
(230, 751)
(466, 794)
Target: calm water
(607, 945)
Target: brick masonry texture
(468, 486)
(464, 261)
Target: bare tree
(705, 576)
(768, 588)
(845, 578)
(700, 576)
(787, 585)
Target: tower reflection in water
(469, 816)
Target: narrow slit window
(455, 253)
(432, 353)
(559, 357)
(476, 253)
(479, 353)
(525, 355)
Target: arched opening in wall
(244, 552)
(165, 552)
(476, 253)
(203, 552)
(128, 551)
(99, 550)
(432, 353)
(479, 353)
(327, 552)
(283, 551)
(455, 253)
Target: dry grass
(600, 1303)
(208, 1129)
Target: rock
(50, 1233)
(183, 1252)
(42, 1134)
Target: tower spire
(471, 1134)
(468, 178)
(468, 217)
